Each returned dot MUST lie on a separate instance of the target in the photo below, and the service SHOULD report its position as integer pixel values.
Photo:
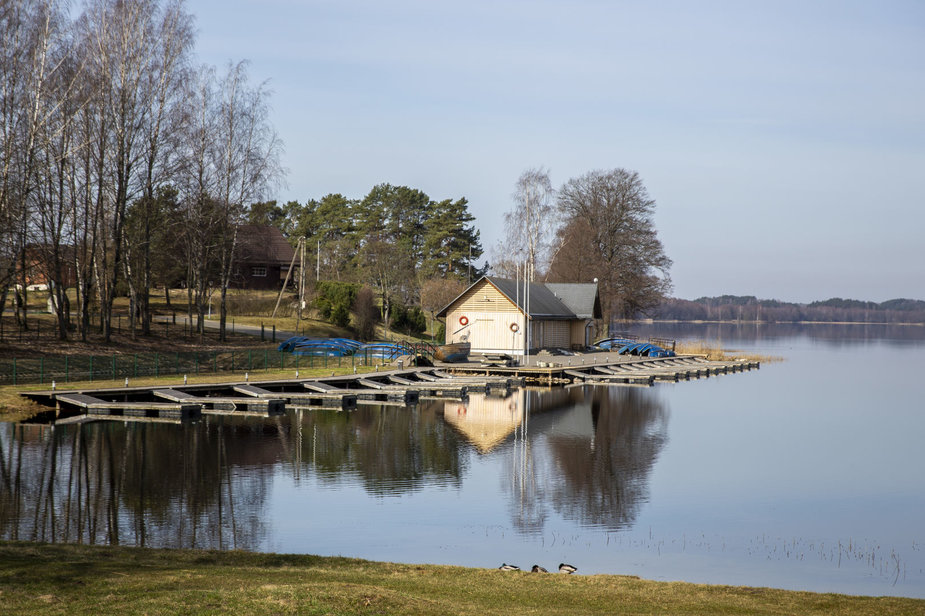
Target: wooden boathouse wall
(490, 315)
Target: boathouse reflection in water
(584, 453)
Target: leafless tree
(609, 222)
(231, 159)
(166, 98)
(246, 163)
(29, 33)
(122, 39)
(529, 226)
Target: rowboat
(453, 353)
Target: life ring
(515, 327)
(464, 320)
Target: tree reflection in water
(585, 453)
(108, 482)
(392, 450)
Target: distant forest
(749, 308)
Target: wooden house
(262, 258)
(495, 314)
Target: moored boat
(453, 353)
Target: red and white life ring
(515, 327)
(464, 320)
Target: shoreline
(46, 578)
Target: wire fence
(67, 368)
(39, 327)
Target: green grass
(68, 579)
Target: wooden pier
(404, 387)
(611, 369)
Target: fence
(63, 369)
(44, 328)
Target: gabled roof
(581, 298)
(546, 301)
(543, 303)
(263, 244)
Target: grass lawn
(68, 579)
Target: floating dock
(611, 369)
(402, 387)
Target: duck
(507, 567)
(565, 568)
(538, 569)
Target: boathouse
(493, 315)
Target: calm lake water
(805, 474)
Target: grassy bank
(45, 579)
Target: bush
(340, 316)
(408, 320)
(334, 301)
(365, 314)
(440, 333)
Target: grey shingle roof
(547, 301)
(543, 302)
(581, 298)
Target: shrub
(334, 301)
(408, 320)
(365, 314)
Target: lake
(806, 474)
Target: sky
(783, 142)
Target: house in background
(493, 313)
(262, 258)
(39, 266)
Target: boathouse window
(259, 271)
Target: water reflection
(751, 334)
(390, 450)
(584, 454)
(133, 484)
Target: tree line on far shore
(750, 308)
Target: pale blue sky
(783, 141)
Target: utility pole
(295, 254)
(301, 249)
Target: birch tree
(246, 164)
(529, 226)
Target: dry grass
(68, 579)
(714, 352)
